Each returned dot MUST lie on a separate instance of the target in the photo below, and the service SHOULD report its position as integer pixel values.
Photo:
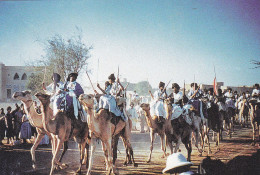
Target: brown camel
(62, 128)
(244, 113)
(177, 130)
(101, 127)
(155, 127)
(35, 120)
(255, 119)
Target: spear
(44, 75)
(90, 81)
(117, 80)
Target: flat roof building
(13, 79)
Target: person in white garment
(55, 89)
(195, 95)
(132, 114)
(229, 99)
(108, 100)
(176, 99)
(142, 119)
(256, 91)
(157, 107)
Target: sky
(155, 40)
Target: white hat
(187, 173)
(175, 160)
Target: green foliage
(62, 56)
(35, 82)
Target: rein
(28, 110)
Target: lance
(164, 89)
(90, 81)
(125, 89)
(117, 80)
(44, 75)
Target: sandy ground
(17, 159)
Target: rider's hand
(96, 91)
(98, 85)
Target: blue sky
(154, 40)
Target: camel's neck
(168, 110)
(34, 118)
(149, 119)
(45, 117)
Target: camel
(35, 120)
(254, 112)
(243, 113)
(155, 127)
(214, 122)
(62, 128)
(101, 128)
(177, 130)
(229, 119)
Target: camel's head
(44, 98)
(120, 101)
(145, 106)
(168, 104)
(87, 99)
(23, 96)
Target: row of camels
(61, 127)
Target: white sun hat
(175, 161)
(187, 173)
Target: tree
(257, 63)
(33, 82)
(62, 56)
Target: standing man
(141, 115)
(9, 126)
(132, 115)
(2, 125)
(74, 90)
(18, 122)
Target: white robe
(157, 107)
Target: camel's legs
(188, 146)
(65, 148)
(207, 139)
(152, 134)
(35, 145)
(93, 147)
(86, 157)
(54, 144)
(58, 147)
(108, 144)
(105, 150)
(162, 146)
(169, 142)
(177, 144)
(82, 155)
(129, 151)
(114, 146)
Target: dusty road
(17, 159)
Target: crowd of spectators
(15, 126)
